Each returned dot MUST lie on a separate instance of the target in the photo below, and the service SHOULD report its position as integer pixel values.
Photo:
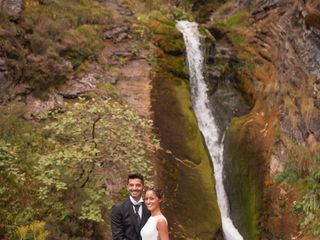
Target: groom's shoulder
(121, 204)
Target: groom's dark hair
(135, 176)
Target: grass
(234, 20)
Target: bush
(53, 172)
(84, 43)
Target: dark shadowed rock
(76, 87)
(21, 89)
(117, 32)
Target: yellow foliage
(37, 228)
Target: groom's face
(135, 188)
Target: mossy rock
(160, 28)
(186, 164)
(248, 146)
(173, 64)
(170, 45)
(185, 169)
(164, 20)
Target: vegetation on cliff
(51, 39)
(56, 171)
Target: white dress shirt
(134, 202)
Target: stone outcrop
(282, 117)
(117, 32)
(184, 167)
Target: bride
(156, 227)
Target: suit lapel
(133, 216)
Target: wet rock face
(227, 100)
(12, 7)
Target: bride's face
(152, 201)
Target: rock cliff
(268, 53)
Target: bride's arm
(162, 227)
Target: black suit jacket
(124, 223)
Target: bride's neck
(156, 212)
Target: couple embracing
(138, 219)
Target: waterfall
(206, 121)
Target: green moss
(185, 163)
(245, 169)
(166, 29)
(237, 39)
(110, 89)
(174, 65)
(170, 45)
(234, 20)
(179, 133)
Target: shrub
(305, 178)
(85, 43)
(41, 72)
(53, 172)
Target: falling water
(206, 121)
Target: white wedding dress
(149, 230)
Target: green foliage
(231, 24)
(140, 28)
(56, 172)
(290, 175)
(234, 20)
(86, 44)
(110, 89)
(152, 60)
(309, 205)
(238, 39)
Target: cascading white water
(206, 120)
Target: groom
(129, 216)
